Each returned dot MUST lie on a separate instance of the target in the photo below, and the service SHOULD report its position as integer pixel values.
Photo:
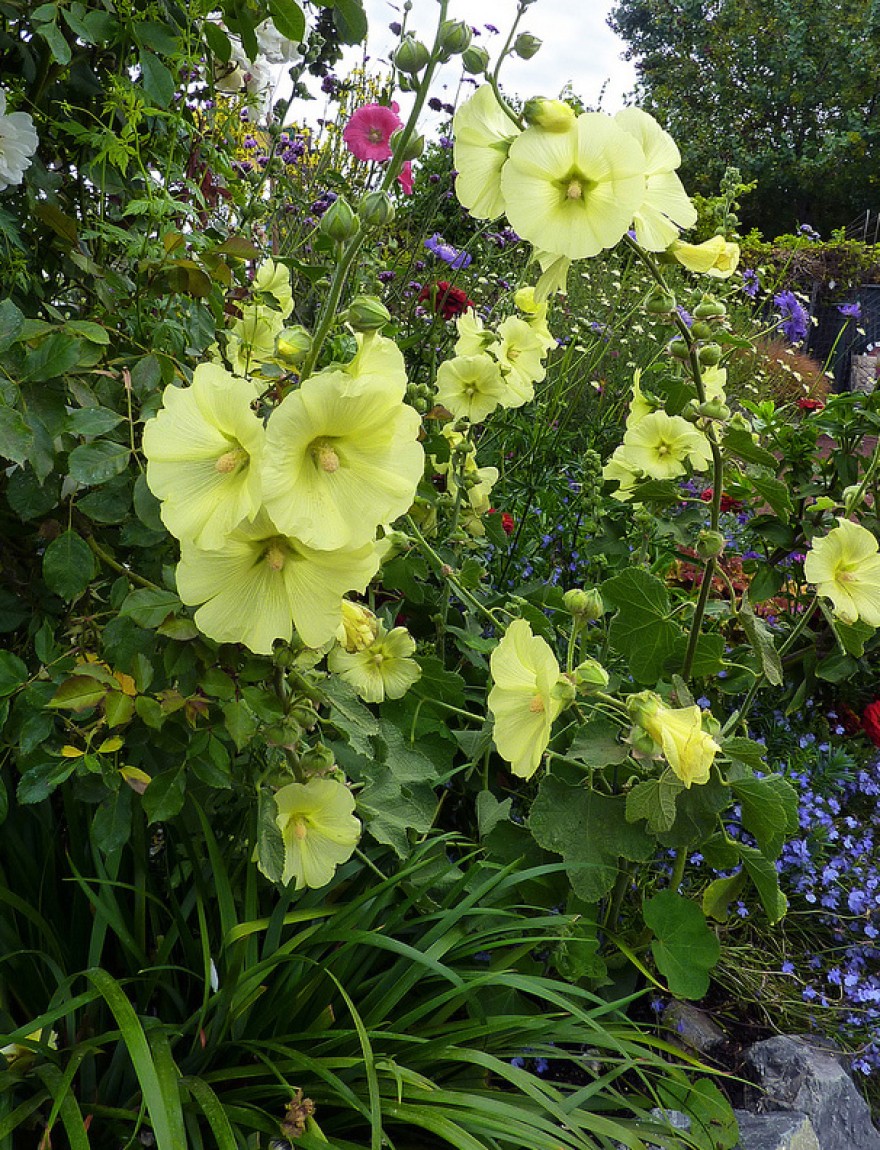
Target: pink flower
(368, 131)
(405, 178)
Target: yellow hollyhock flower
(554, 275)
(24, 1055)
(715, 257)
(575, 192)
(666, 206)
(619, 469)
(263, 583)
(527, 695)
(662, 445)
(520, 356)
(359, 626)
(382, 670)
(319, 830)
(482, 133)
(639, 405)
(678, 731)
(471, 386)
(845, 566)
(715, 382)
(342, 453)
(251, 340)
(473, 338)
(273, 279)
(203, 452)
(536, 316)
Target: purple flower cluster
(446, 252)
(751, 284)
(795, 321)
(850, 310)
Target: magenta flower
(368, 132)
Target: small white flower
(18, 142)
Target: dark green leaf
(597, 743)
(854, 636)
(11, 324)
(642, 629)
(270, 844)
(158, 81)
(164, 797)
(774, 493)
(13, 673)
(111, 825)
(350, 20)
(38, 782)
(708, 656)
(93, 420)
(288, 18)
(217, 41)
(149, 608)
(491, 812)
(591, 833)
(16, 438)
(763, 874)
(720, 893)
(684, 947)
(761, 638)
(744, 751)
(58, 46)
(654, 800)
(765, 583)
(97, 462)
(54, 356)
(769, 811)
(69, 565)
(241, 723)
(739, 442)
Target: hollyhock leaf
(774, 493)
(708, 656)
(654, 800)
(720, 893)
(360, 723)
(696, 814)
(853, 636)
(769, 811)
(491, 812)
(270, 844)
(739, 442)
(761, 639)
(643, 629)
(597, 744)
(685, 949)
(745, 751)
(591, 833)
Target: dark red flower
(728, 503)
(449, 301)
(508, 524)
(807, 403)
(871, 722)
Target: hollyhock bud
(475, 60)
(551, 115)
(293, 345)
(414, 147)
(366, 313)
(584, 604)
(660, 302)
(339, 222)
(376, 209)
(710, 308)
(710, 544)
(410, 56)
(590, 676)
(710, 354)
(526, 45)
(453, 37)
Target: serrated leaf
(270, 844)
(149, 608)
(491, 812)
(97, 462)
(78, 693)
(774, 493)
(54, 356)
(350, 20)
(654, 800)
(164, 797)
(744, 751)
(11, 324)
(157, 80)
(696, 814)
(16, 438)
(288, 18)
(13, 673)
(763, 874)
(591, 833)
(360, 723)
(769, 811)
(111, 825)
(69, 565)
(93, 420)
(684, 947)
(853, 636)
(597, 744)
(708, 655)
(760, 637)
(38, 782)
(642, 629)
(240, 722)
(739, 442)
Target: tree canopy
(788, 92)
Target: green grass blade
(64, 1103)
(214, 1113)
(161, 1104)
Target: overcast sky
(578, 46)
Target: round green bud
(453, 37)
(709, 308)
(590, 676)
(475, 60)
(376, 209)
(526, 45)
(660, 302)
(413, 149)
(714, 409)
(584, 604)
(339, 222)
(710, 354)
(701, 330)
(293, 345)
(366, 313)
(678, 349)
(317, 759)
(710, 544)
(551, 115)
(642, 743)
(410, 55)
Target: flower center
(536, 704)
(663, 448)
(374, 135)
(300, 830)
(325, 456)
(275, 555)
(231, 461)
(575, 190)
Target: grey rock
(675, 1118)
(692, 1027)
(795, 1075)
(784, 1130)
